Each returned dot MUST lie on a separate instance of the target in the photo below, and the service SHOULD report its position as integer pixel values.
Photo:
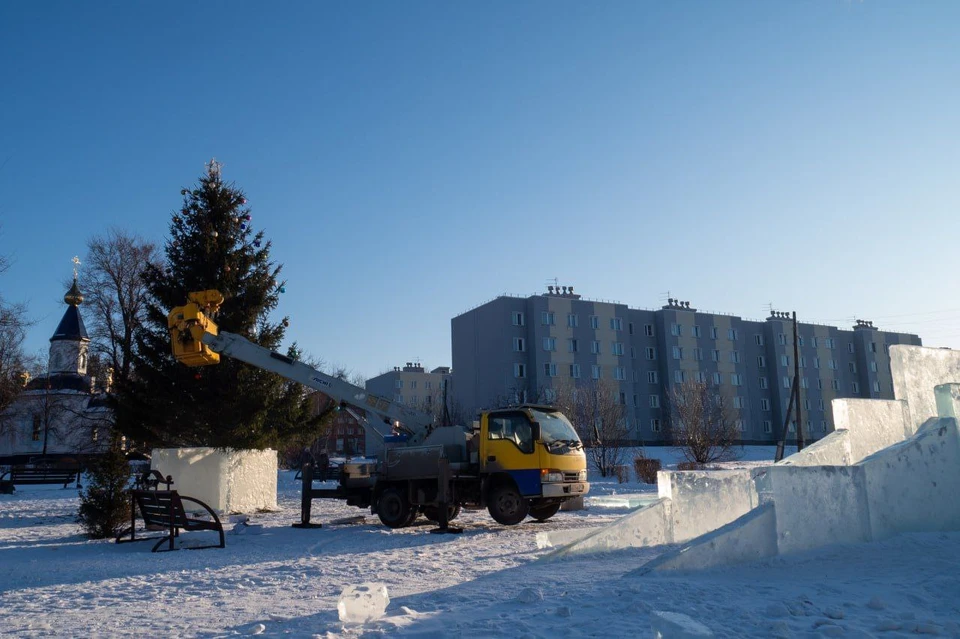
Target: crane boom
(193, 333)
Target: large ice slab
(916, 371)
(230, 481)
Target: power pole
(796, 377)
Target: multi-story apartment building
(515, 349)
(346, 435)
(412, 385)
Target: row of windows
(413, 384)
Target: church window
(36, 428)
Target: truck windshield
(554, 427)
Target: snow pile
(234, 481)
(362, 603)
(676, 625)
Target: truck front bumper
(574, 489)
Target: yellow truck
(515, 462)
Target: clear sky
(412, 160)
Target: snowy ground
(286, 581)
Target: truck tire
(543, 512)
(506, 505)
(393, 509)
(433, 513)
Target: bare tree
(13, 363)
(116, 294)
(704, 424)
(596, 410)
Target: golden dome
(74, 297)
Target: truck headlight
(582, 475)
(548, 477)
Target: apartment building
(515, 349)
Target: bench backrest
(40, 475)
(155, 507)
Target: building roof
(71, 326)
(60, 381)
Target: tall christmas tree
(231, 404)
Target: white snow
(362, 603)
(287, 581)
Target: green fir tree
(230, 404)
(104, 501)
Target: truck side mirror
(535, 431)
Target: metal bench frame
(162, 510)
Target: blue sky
(411, 160)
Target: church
(62, 415)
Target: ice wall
(231, 481)
(916, 371)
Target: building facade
(63, 413)
(515, 349)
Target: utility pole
(796, 377)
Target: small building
(63, 413)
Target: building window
(831, 343)
(519, 370)
(676, 330)
(851, 348)
(519, 344)
(873, 367)
(648, 330)
(619, 373)
(820, 384)
(654, 401)
(630, 328)
(701, 377)
(763, 383)
(873, 347)
(517, 318)
(623, 398)
(816, 362)
(832, 364)
(595, 371)
(37, 423)
(758, 339)
(736, 379)
(575, 371)
(823, 427)
(698, 353)
(549, 343)
(813, 342)
(764, 404)
(714, 332)
(761, 361)
(636, 401)
(852, 366)
(677, 352)
(738, 402)
(806, 404)
(550, 369)
(785, 361)
(876, 387)
(573, 345)
(398, 383)
(616, 324)
(547, 318)
(799, 340)
(616, 348)
(651, 353)
(398, 398)
(655, 425)
(428, 385)
(633, 353)
(803, 362)
(803, 383)
(679, 376)
(715, 355)
(413, 383)
(573, 320)
(595, 347)
(653, 377)
(786, 382)
(696, 330)
(781, 339)
(594, 322)
(732, 334)
(835, 384)
(767, 426)
(735, 357)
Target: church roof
(60, 381)
(71, 326)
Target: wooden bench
(23, 475)
(162, 510)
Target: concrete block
(705, 500)
(913, 486)
(916, 371)
(750, 538)
(231, 481)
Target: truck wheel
(393, 509)
(507, 506)
(433, 513)
(543, 512)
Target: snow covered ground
(487, 582)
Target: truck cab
(531, 459)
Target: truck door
(509, 448)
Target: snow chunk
(530, 595)
(363, 603)
(676, 625)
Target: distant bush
(646, 469)
(688, 465)
(621, 472)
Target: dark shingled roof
(71, 326)
(60, 381)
